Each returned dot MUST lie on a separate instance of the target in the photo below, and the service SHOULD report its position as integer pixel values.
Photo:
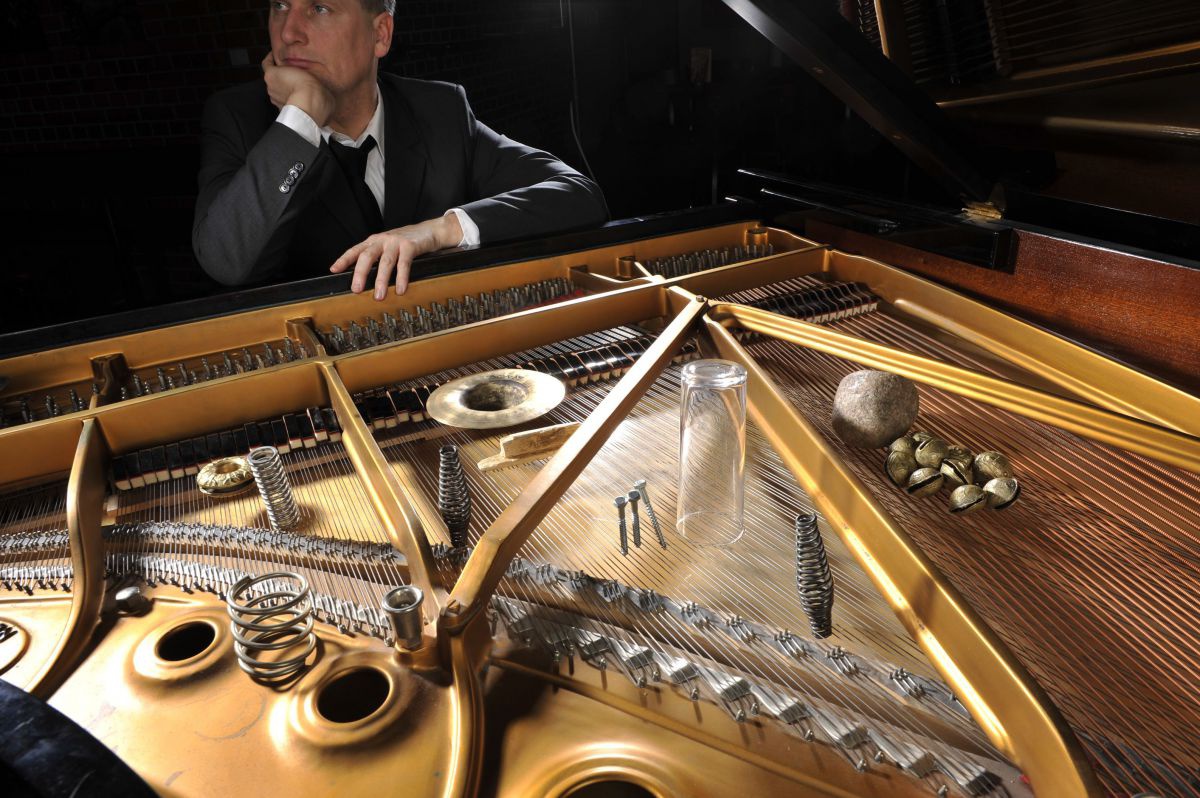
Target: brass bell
(931, 452)
(903, 444)
(899, 467)
(924, 482)
(961, 453)
(967, 499)
(920, 436)
(1001, 492)
(990, 465)
(955, 472)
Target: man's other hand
(288, 85)
(395, 249)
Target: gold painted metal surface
(85, 492)
(42, 618)
(1085, 373)
(500, 543)
(1136, 436)
(487, 339)
(563, 731)
(1005, 701)
(431, 738)
(1095, 561)
(200, 727)
(388, 497)
(72, 364)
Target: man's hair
(374, 7)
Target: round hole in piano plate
(353, 695)
(186, 641)
(610, 788)
(495, 395)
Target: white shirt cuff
(298, 120)
(470, 230)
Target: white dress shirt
(298, 120)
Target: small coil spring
(272, 625)
(454, 498)
(274, 487)
(813, 579)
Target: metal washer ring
(225, 477)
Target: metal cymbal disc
(494, 399)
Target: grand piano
(356, 624)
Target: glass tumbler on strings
(712, 452)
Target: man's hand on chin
(289, 85)
(395, 249)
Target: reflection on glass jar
(712, 452)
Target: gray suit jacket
(254, 224)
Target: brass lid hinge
(982, 212)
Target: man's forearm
(562, 202)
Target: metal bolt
(132, 601)
(640, 487)
(620, 502)
(634, 497)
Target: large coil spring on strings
(271, 621)
(813, 579)
(454, 498)
(274, 487)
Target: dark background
(100, 102)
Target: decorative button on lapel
(293, 173)
(284, 188)
(298, 166)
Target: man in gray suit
(328, 165)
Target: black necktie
(353, 161)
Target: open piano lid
(990, 202)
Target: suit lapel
(405, 159)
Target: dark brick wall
(99, 75)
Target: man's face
(337, 41)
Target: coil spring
(276, 620)
(813, 579)
(454, 498)
(274, 487)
